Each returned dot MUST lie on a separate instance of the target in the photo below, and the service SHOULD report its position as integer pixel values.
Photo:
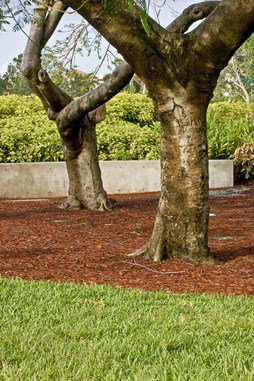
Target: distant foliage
(130, 132)
(13, 82)
(236, 81)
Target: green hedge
(28, 139)
(134, 108)
(19, 105)
(129, 132)
(225, 111)
(120, 140)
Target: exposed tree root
(107, 204)
(104, 204)
(155, 248)
(71, 203)
(139, 253)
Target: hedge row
(130, 130)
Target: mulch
(41, 242)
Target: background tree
(134, 86)
(13, 81)
(180, 71)
(75, 119)
(72, 81)
(236, 82)
(77, 83)
(2, 85)
(3, 17)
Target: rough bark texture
(182, 219)
(76, 119)
(85, 183)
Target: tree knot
(42, 75)
(197, 13)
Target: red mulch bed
(39, 241)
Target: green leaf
(144, 21)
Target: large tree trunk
(85, 183)
(181, 224)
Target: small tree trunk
(85, 183)
(181, 224)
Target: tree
(2, 85)
(236, 82)
(76, 119)
(77, 83)
(72, 81)
(134, 86)
(3, 18)
(14, 82)
(180, 71)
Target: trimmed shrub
(133, 108)
(122, 140)
(18, 106)
(28, 136)
(225, 111)
(29, 139)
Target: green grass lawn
(69, 332)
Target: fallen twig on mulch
(154, 271)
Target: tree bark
(85, 182)
(181, 225)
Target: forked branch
(51, 95)
(80, 107)
(190, 15)
(59, 105)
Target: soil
(39, 241)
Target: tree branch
(80, 107)
(190, 15)
(52, 20)
(123, 29)
(238, 82)
(32, 55)
(50, 94)
(217, 38)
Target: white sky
(13, 43)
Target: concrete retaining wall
(45, 180)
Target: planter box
(45, 180)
